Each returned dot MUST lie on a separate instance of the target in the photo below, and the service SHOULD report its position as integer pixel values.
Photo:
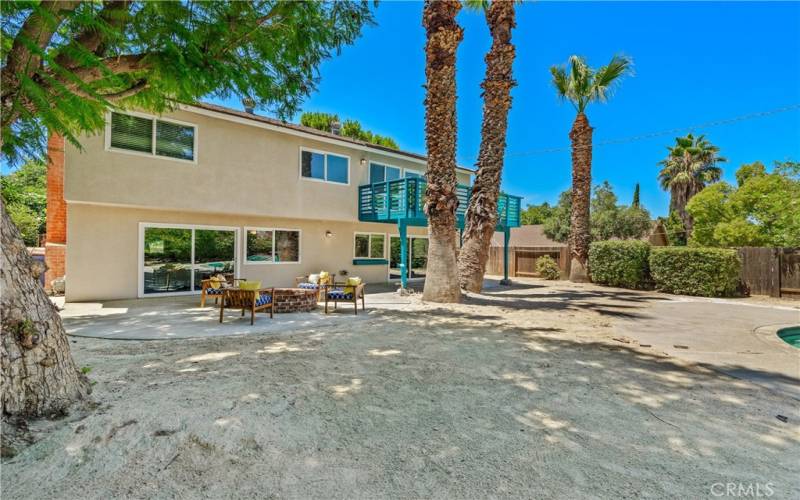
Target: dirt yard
(515, 393)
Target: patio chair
(314, 282)
(214, 287)
(350, 291)
(252, 300)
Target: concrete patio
(735, 336)
(181, 317)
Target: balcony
(402, 201)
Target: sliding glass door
(175, 259)
(167, 260)
(417, 258)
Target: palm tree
(481, 217)
(579, 84)
(443, 36)
(690, 165)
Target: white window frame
(325, 166)
(272, 262)
(384, 165)
(369, 245)
(154, 119)
(193, 227)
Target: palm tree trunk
(688, 221)
(681, 194)
(481, 217)
(39, 376)
(580, 229)
(443, 36)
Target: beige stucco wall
(103, 248)
(244, 176)
(240, 169)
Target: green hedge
(709, 272)
(547, 268)
(621, 263)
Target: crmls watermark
(743, 490)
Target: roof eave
(270, 123)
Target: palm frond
(691, 163)
(560, 81)
(608, 76)
(580, 81)
(684, 142)
(478, 5)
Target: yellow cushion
(351, 284)
(214, 283)
(250, 285)
(324, 276)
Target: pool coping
(769, 333)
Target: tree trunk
(481, 217)
(681, 194)
(39, 376)
(580, 229)
(443, 36)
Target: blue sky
(694, 63)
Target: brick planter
(289, 300)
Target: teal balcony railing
(404, 199)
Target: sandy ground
(515, 393)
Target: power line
(625, 140)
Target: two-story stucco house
(155, 204)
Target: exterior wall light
(329, 234)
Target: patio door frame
(165, 225)
(389, 257)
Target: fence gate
(771, 271)
(524, 263)
(790, 272)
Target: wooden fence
(771, 271)
(766, 271)
(522, 260)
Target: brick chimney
(56, 238)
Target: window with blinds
(132, 133)
(152, 136)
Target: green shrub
(709, 272)
(620, 263)
(547, 268)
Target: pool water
(790, 335)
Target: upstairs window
(380, 173)
(323, 166)
(152, 136)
